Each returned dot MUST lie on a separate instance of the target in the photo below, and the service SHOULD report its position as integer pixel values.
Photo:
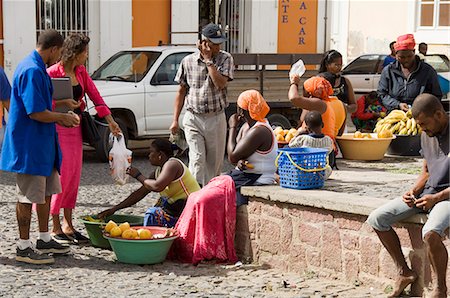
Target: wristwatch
(209, 63)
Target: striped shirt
(202, 96)
(312, 141)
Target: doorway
(234, 18)
(65, 16)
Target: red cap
(405, 42)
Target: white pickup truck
(138, 86)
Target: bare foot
(402, 282)
(438, 293)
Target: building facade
(353, 27)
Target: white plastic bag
(298, 68)
(119, 160)
(179, 139)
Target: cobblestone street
(90, 271)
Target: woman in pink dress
(74, 56)
(207, 225)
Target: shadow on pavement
(98, 263)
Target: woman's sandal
(62, 238)
(78, 238)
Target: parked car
(364, 72)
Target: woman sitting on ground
(172, 179)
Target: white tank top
(264, 161)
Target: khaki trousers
(206, 137)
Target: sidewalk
(89, 271)
(387, 178)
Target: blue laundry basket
(302, 168)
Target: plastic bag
(119, 160)
(179, 139)
(298, 68)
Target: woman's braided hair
(74, 44)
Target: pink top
(87, 85)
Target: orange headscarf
(318, 87)
(405, 42)
(253, 102)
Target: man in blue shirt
(31, 148)
(5, 93)
(391, 58)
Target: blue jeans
(382, 218)
(240, 179)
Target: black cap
(213, 33)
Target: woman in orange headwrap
(254, 150)
(317, 97)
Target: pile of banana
(398, 122)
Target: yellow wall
(151, 22)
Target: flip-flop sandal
(78, 238)
(62, 238)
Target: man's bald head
(426, 103)
(429, 113)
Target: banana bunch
(398, 122)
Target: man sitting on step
(430, 195)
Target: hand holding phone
(204, 49)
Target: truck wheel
(103, 146)
(279, 120)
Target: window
(444, 13)
(367, 64)
(165, 75)
(127, 66)
(65, 16)
(434, 13)
(439, 62)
